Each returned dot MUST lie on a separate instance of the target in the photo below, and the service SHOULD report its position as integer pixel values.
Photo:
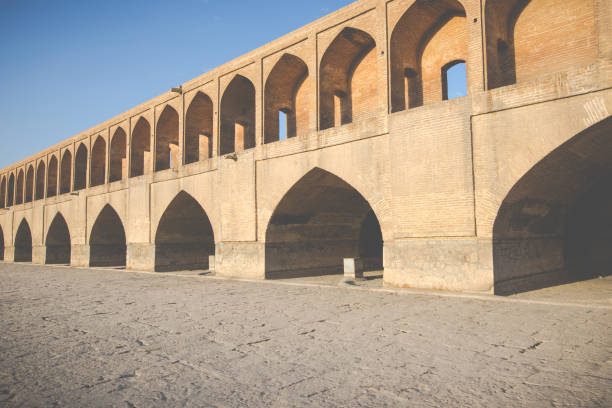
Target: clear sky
(67, 65)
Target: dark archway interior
(1, 244)
(23, 243)
(107, 243)
(555, 225)
(185, 238)
(80, 168)
(238, 116)
(58, 242)
(319, 222)
(199, 129)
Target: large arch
(199, 129)
(66, 173)
(348, 76)
(555, 224)
(287, 91)
(3, 192)
(52, 177)
(19, 189)
(238, 116)
(40, 181)
(29, 185)
(118, 162)
(107, 243)
(140, 156)
(184, 238)
(1, 244)
(58, 242)
(525, 38)
(429, 38)
(98, 162)
(23, 243)
(10, 194)
(167, 140)
(80, 168)
(320, 221)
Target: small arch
(1, 244)
(19, 190)
(184, 238)
(52, 177)
(454, 83)
(286, 92)
(167, 140)
(29, 187)
(80, 168)
(107, 243)
(10, 195)
(118, 158)
(23, 243)
(140, 157)
(58, 242)
(66, 172)
(199, 129)
(98, 162)
(320, 221)
(3, 192)
(238, 116)
(40, 181)
(348, 76)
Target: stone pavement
(89, 338)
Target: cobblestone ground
(92, 338)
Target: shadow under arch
(320, 221)
(184, 239)
(107, 243)
(1, 244)
(58, 247)
(555, 224)
(23, 243)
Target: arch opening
(287, 96)
(40, 181)
(555, 224)
(454, 82)
(66, 173)
(238, 116)
(1, 244)
(23, 243)
(107, 242)
(29, 185)
(11, 191)
(140, 157)
(80, 168)
(199, 129)
(3, 192)
(348, 91)
(319, 222)
(58, 242)
(429, 37)
(118, 158)
(52, 177)
(19, 190)
(167, 140)
(184, 238)
(98, 162)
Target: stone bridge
(341, 140)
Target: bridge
(341, 140)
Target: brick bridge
(505, 189)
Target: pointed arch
(1, 244)
(199, 129)
(430, 35)
(52, 177)
(3, 192)
(29, 185)
(19, 189)
(107, 242)
(10, 194)
(98, 162)
(347, 90)
(140, 156)
(118, 162)
(286, 91)
(40, 181)
(320, 221)
(167, 140)
(80, 168)
(66, 173)
(23, 243)
(184, 239)
(238, 116)
(58, 247)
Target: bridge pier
(9, 253)
(141, 257)
(39, 253)
(240, 259)
(79, 255)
